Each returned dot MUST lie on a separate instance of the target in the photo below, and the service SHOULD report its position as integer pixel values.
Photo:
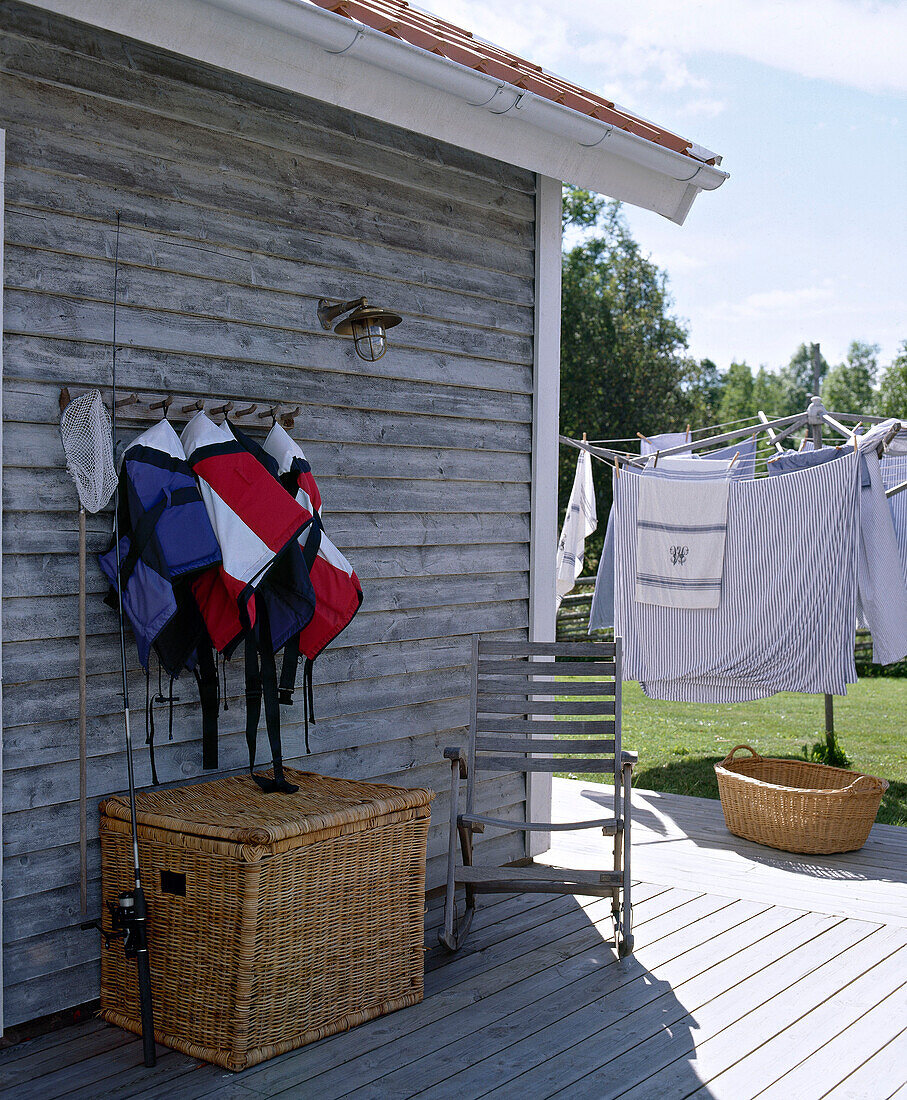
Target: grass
(678, 743)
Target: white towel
(681, 531)
(579, 522)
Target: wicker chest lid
(235, 809)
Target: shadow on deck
(732, 993)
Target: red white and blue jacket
(338, 593)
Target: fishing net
(87, 436)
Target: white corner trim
(305, 49)
(2, 207)
(546, 393)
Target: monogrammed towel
(680, 535)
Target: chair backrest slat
(516, 667)
(547, 649)
(491, 704)
(544, 744)
(523, 686)
(495, 724)
(545, 764)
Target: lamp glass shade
(369, 338)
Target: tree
(737, 394)
(623, 367)
(891, 399)
(798, 381)
(703, 387)
(849, 387)
(768, 393)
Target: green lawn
(678, 743)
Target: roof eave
(302, 47)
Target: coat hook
(65, 399)
(246, 412)
(164, 404)
(193, 405)
(225, 408)
(132, 399)
(270, 412)
(288, 417)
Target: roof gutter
(339, 36)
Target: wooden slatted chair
(518, 724)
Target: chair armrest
(628, 757)
(454, 755)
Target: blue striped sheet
(786, 617)
(881, 587)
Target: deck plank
(486, 975)
(615, 1046)
(426, 1057)
(867, 1025)
(756, 973)
(548, 1051)
(744, 1018)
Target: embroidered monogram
(679, 554)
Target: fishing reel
(126, 924)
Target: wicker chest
(274, 919)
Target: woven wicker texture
(797, 806)
(274, 944)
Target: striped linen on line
(894, 472)
(881, 587)
(787, 613)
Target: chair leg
(618, 866)
(625, 943)
(448, 934)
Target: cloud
(857, 43)
(808, 301)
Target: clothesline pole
(816, 414)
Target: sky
(805, 101)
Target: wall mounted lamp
(366, 324)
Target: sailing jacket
(338, 593)
(166, 540)
(257, 523)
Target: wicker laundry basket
(797, 806)
(273, 919)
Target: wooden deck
(755, 974)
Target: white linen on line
(786, 617)
(680, 464)
(580, 521)
(680, 537)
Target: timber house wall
(241, 205)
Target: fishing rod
(130, 912)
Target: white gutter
(338, 35)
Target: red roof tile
(398, 20)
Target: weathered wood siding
(240, 206)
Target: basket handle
(749, 749)
(866, 783)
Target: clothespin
(655, 463)
(733, 460)
(802, 444)
(689, 432)
(644, 437)
(584, 437)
